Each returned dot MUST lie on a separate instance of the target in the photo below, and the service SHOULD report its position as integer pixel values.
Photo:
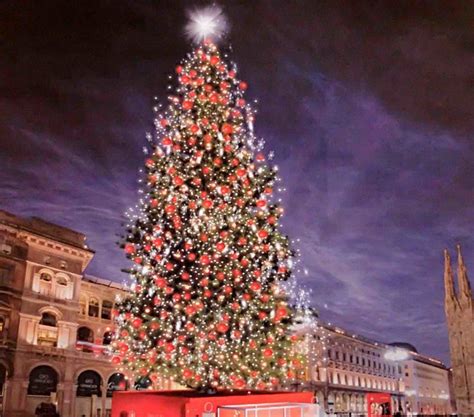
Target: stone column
(67, 402)
(60, 398)
(14, 403)
(23, 393)
(104, 399)
(73, 400)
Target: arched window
(143, 383)
(43, 381)
(116, 382)
(45, 283)
(61, 281)
(107, 339)
(93, 307)
(2, 324)
(84, 334)
(62, 287)
(89, 383)
(106, 312)
(85, 339)
(45, 277)
(47, 331)
(48, 319)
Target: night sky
(367, 105)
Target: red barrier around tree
(192, 404)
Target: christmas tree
(207, 309)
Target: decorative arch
(87, 368)
(117, 381)
(43, 281)
(89, 382)
(63, 275)
(42, 363)
(43, 380)
(49, 319)
(85, 334)
(45, 271)
(52, 310)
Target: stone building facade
(459, 308)
(344, 369)
(54, 323)
(426, 381)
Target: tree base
(188, 403)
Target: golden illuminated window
(93, 307)
(45, 277)
(48, 332)
(61, 281)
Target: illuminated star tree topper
(208, 23)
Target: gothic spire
(449, 290)
(463, 280)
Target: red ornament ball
(222, 327)
(129, 248)
(268, 353)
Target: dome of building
(404, 345)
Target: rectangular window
(5, 275)
(47, 336)
(93, 307)
(106, 313)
